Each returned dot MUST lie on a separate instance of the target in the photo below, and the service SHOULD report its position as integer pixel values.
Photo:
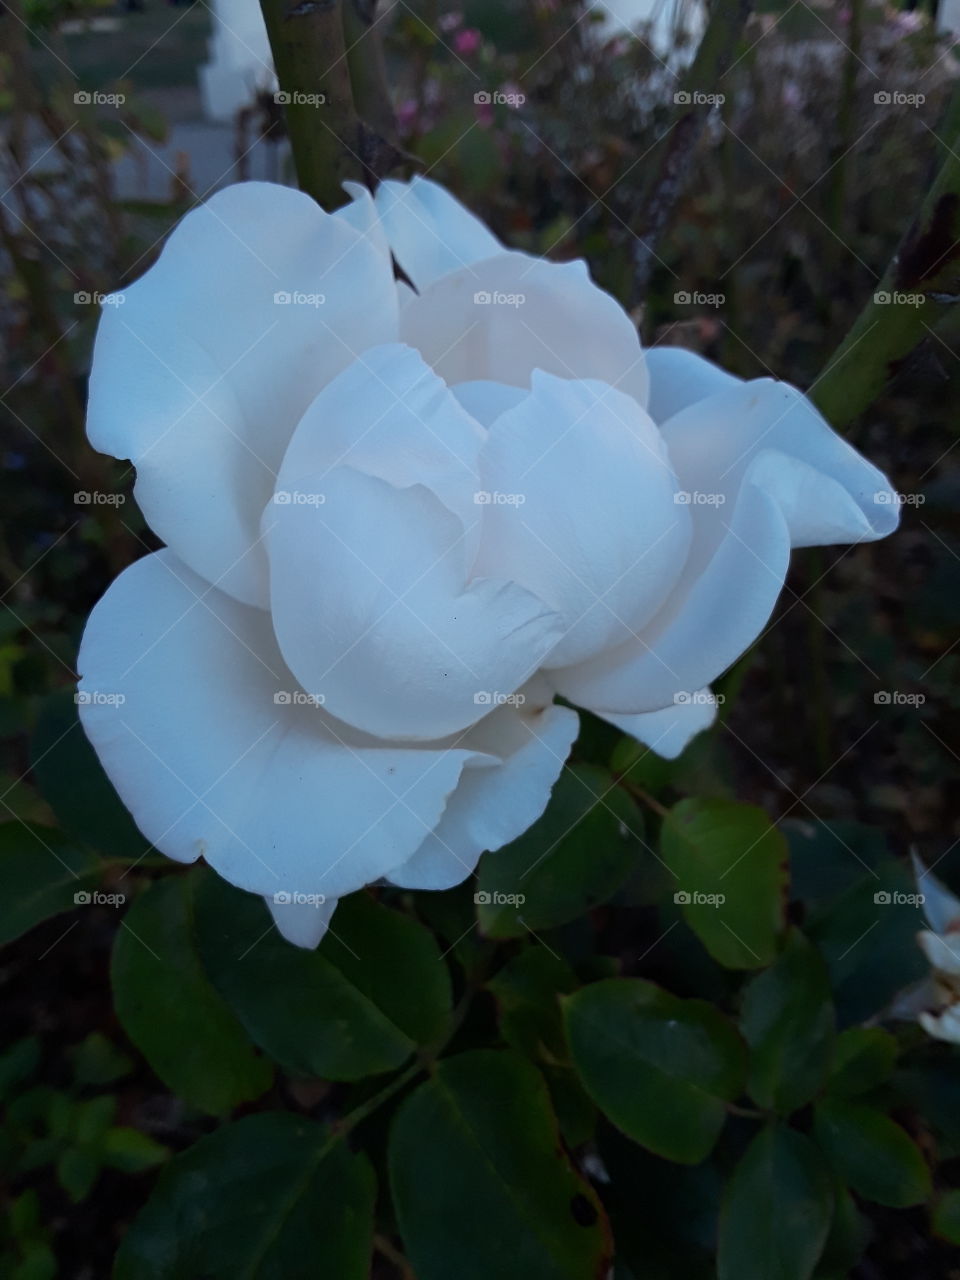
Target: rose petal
(581, 511)
(940, 906)
(501, 318)
(388, 415)
(668, 732)
(430, 232)
(491, 807)
(750, 503)
(200, 377)
(276, 796)
(679, 378)
(373, 610)
(302, 923)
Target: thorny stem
(329, 65)
(714, 59)
(918, 290)
(310, 57)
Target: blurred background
(545, 117)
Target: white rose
(399, 522)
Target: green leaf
(576, 856)
(72, 781)
(18, 1063)
(787, 1020)
(660, 1067)
(526, 990)
(863, 1057)
(96, 1061)
(868, 937)
(732, 876)
(777, 1210)
(41, 872)
(849, 1234)
(876, 1156)
(131, 1151)
(269, 1197)
(946, 1216)
(359, 1005)
(77, 1171)
(170, 1010)
(480, 1181)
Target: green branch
(918, 290)
(310, 57)
(700, 87)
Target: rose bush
(400, 519)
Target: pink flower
(467, 41)
(407, 115)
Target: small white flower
(941, 946)
(399, 598)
